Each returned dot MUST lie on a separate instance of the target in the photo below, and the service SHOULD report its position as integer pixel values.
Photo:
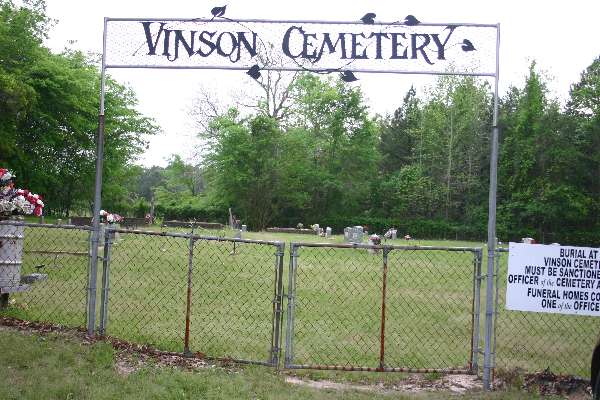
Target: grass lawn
(54, 366)
(337, 304)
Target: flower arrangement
(17, 201)
(110, 218)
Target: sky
(562, 37)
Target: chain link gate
(359, 307)
(218, 298)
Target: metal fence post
(289, 351)
(93, 269)
(489, 318)
(87, 292)
(383, 295)
(496, 304)
(108, 241)
(188, 306)
(491, 240)
(277, 306)
(92, 281)
(476, 310)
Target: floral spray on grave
(113, 220)
(14, 203)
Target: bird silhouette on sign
(254, 71)
(467, 45)
(410, 20)
(218, 12)
(368, 18)
(348, 76)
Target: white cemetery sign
(553, 279)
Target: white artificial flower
(19, 201)
(6, 207)
(23, 206)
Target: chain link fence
(532, 341)
(352, 307)
(386, 308)
(44, 270)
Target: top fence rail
(50, 226)
(381, 247)
(301, 21)
(195, 236)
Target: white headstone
(355, 234)
(317, 229)
(391, 234)
(328, 232)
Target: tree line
(308, 150)
(424, 169)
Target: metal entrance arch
(415, 43)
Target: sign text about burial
(553, 279)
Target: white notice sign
(553, 279)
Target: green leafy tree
(343, 141)
(48, 116)
(541, 195)
(400, 135)
(244, 167)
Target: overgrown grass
(54, 367)
(338, 303)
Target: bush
(187, 212)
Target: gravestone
(117, 236)
(391, 234)
(327, 232)
(317, 229)
(355, 234)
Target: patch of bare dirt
(413, 384)
(545, 383)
